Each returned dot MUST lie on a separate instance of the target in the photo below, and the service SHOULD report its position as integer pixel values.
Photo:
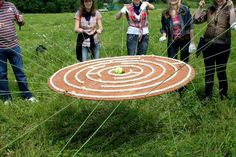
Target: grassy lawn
(166, 125)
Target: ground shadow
(127, 125)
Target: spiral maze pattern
(142, 77)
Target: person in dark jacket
(177, 27)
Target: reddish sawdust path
(144, 76)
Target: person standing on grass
(88, 25)
(10, 50)
(220, 18)
(177, 27)
(137, 34)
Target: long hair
(213, 8)
(82, 9)
(178, 5)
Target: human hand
(19, 18)
(144, 6)
(162, 38)
(80, 30)
(124, 10)
(192, 48)
(99, 31)
(202, 3)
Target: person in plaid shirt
(137, 34)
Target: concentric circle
(142, 77)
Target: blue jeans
(136, 47)
(15, 59)
(87, 50)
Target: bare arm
(232, 16)
(200, 15)
(232, 13)
(118, 15)
(123, 11)
(150, 6)
(192, 36)
(100, 28)
(77, 28)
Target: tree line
(46, 6)
(54, 6)
(60, 6)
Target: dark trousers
(14, 56)
(136, 47)
(216, 58)
(173, 50)
(176, 46)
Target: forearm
(232, 16)
(198, 13)
(150, 6)
(192, 36)
(76, 29)
(100, 28)
(200, 16)
(118, 15)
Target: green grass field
(166, 125)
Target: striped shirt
(8, 16)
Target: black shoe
(181, 91)
(207, 98)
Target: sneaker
(32, 99)
(7, 102)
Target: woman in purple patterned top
(88, 25)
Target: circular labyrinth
(142, 77)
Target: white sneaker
(32, 99)
(7, 102)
